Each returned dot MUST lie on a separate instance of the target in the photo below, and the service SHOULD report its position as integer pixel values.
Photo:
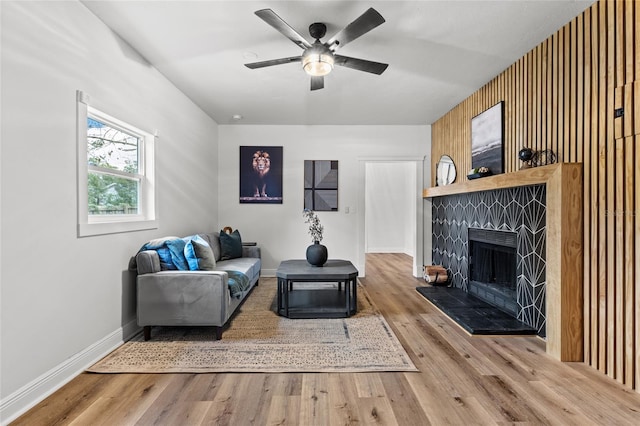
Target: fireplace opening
(492, 268)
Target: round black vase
(317, 254)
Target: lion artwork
(261, 166)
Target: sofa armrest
(251, 251)
(183, 298)
(147, 261)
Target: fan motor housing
(317, 30)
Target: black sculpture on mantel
(531, 158)
(525, 155)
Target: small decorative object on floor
(478, 172)
(316, 253)
(436, 275)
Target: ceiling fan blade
(271, 62)
(317, 83)
(270, 17)
(362, 25)
(360, 64)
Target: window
(115, 174)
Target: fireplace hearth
(492, 268)
(517, 217)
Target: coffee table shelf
(299, 298)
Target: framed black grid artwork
(321, 185)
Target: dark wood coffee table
(303, 301)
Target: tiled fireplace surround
(560, 246)
(519, 209)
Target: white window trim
(90, 225)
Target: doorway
(391, 209)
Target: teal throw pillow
(199, 255)
(230, 245)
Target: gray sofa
(192, 297)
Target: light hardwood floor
(463, 380)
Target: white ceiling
(439, 53)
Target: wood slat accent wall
(562, 95)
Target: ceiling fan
(319, 58)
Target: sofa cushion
(230, 245)
(247, 265)
(199, 255)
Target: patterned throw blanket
(238, 283)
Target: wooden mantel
(532, 176)
(564, 292)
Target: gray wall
(280, 228)
(67, 299)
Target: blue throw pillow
(230, 245)
(199, 254)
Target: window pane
(111, 148)
(112, 194)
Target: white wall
(279, 228)
(390, 217)
(65, 299)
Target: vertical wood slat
(635, 52)
(533, 121)
(566, 78)
(618, 182)
(609, 189)
(625, 26)
(630, 182)
(561, 96)
(508, 116)
(596, 346)
(605, 345)
(576, 99)
(618, 214)
(549, 84)
(636, 268)
(555, 90)
(583, 67)
(586, 126)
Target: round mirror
(445, 171)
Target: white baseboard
(34, 392)
(268, 273)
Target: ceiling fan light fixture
(317, 60)
(317, 64)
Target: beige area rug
(259, 340)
